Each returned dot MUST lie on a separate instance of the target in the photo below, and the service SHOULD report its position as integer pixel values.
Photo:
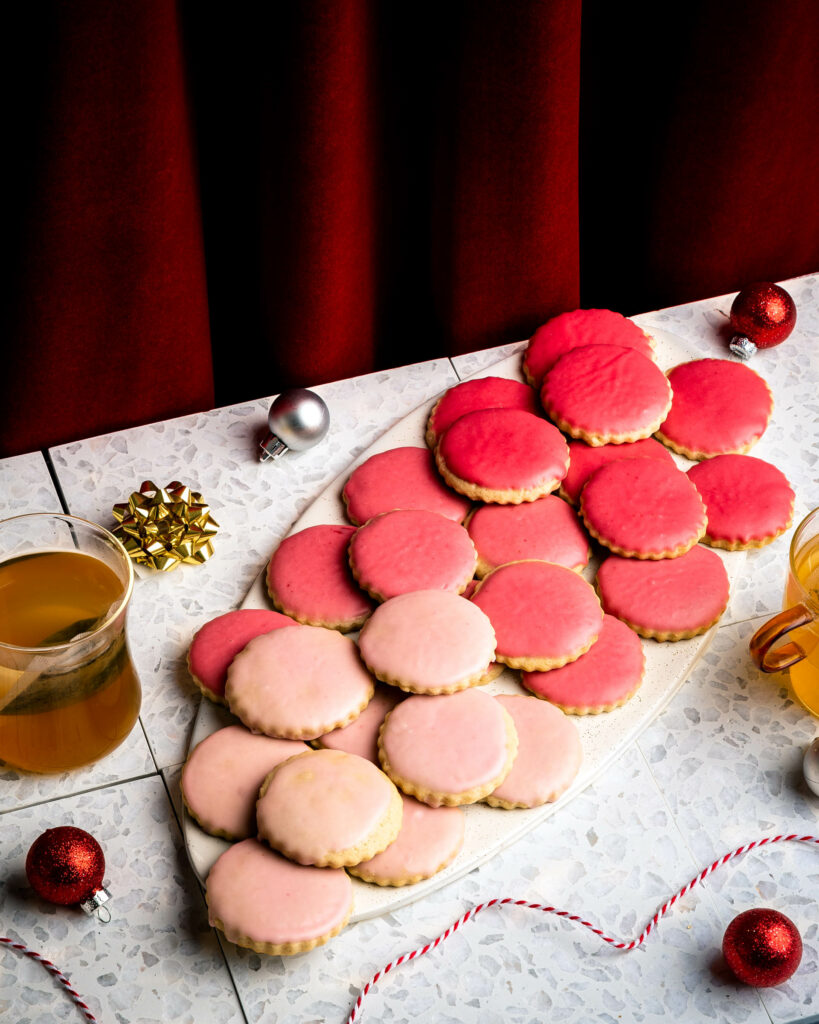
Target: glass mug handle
(766, 636)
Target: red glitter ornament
(66, 865)
(762, 947)
(762, 315)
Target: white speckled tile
(26, 486)
(254, 503)
(156, 961)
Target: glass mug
(799, 620)
(68, 690)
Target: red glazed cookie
(605, 394)
(504, 456)
(643, 508)
(666, 599)
(749, 502)
(479, 393)
(584, 459)
(719, 407)
(575, 329)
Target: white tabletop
(721, 766)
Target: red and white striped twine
(626, 946)
(58, 974)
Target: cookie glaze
(309, 579)
(719, 407)
(361, 736)
(411, 549)
(578, 328)
(400, 478)
(584, 459)
(606, 394)
(643, 508)
(480, 393)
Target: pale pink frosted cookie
(309, 579)
(575, 329)
(584, 459)
(428, 641)
(549, 754)
(400, 478)
(547, 529)
(223, 774)
(450, 750)
(266, 903)
(605, 394)
(667, 599)
(603, 679)
(544, 615)
(361, 736)
(216, 644)
(328, 808)
(481, 393)
(298, 683)
(643, 508)
(411, 549)
(719, 407)
(749, 502)
(502, 455)
(430, 838)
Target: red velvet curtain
(209, 204)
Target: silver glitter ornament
(297, 419)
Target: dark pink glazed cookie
(479, 393)
(584, 459)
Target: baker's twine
(58, 974)
(617, 943)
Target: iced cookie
(576, 329)
(428, 641)
(298, 683)
(223, 774)
(719, 407)
(309, 579)
(329, 809)
(584, 459)
(448, 750)
(430, 838)
(266, 903)
(547, 529)
(502, 455)
(603, 679)
(215, 645)
(643, 508)
(400, 478)
(481, 393)
(549, 754)
(749, 502)
(667, 599)
(544, 615)
(411, 549)
(361, 736)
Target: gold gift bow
(161, 528)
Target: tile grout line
(55, 480)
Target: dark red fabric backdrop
(210, 204)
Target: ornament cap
(272, 448)
(742, 347)
(94, 905)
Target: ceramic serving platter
(604, 737)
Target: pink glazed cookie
(428, 641)
(448, 750)
(749, 502)
(667, 599)
(308, 578)
(502, 455)
(298, 683)
(361, 736)
(223, 774)
(264, 902)
(642, 508)
(411, 549)
(544, 615)
(549, 754)
(328, 808)
(481, 393)
(215, 645)
(605, 394)
(603, 679)
(719, 407)
(576, 329)
(547, 529)
(584, 459)
(400, 478)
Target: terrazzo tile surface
(26, 486)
